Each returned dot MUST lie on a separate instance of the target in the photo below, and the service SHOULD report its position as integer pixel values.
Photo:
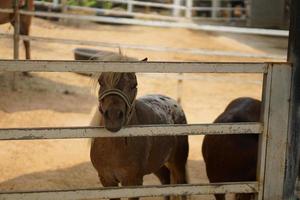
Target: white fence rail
(194, 51)
(162, 130)
(143, 67)
(126, 192)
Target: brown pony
(233, 158)
(126, 160)
(25, 20)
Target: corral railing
(278, 130)
(272, 129)
(215, 10)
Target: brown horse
(25, 20)
(126, 160)
(231, 158)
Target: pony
(25, 20)
(126, 160)
(230, 158)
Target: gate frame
(279, 144)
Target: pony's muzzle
(114, 114)
(114, 119)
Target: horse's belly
(119, 157)
(161, 152)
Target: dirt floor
(67, 99)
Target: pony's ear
(145, 60)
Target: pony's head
(117, 95)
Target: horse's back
(160, 109)
(233, 157)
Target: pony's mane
(110, 78)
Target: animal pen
(278, 130)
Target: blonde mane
(110, 78)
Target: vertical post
(276, 123)
(16, 38)
(188, 10)
(292, 162)
(265, 110)
(55, 3)
(179, 88)
(129, 6)
(16, 29)
(176, 10)
(214, 6)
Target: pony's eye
(133, 86)
(100, 82)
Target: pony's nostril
(106, 114)
(120, 115)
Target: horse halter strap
(124, 97)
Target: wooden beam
(142, 191)
(292, 162)
(131, 131)
(143, 67)
(277, 133)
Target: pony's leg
(244, 196)
(163, 174)
(109, 183)
(220, 196)
(25, 22)
(177, 164)
(133, 181)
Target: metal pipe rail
(142, 191)
(156, 23)
(145, 47)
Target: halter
(124, 97)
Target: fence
(273, 135)
(278, 130)
(177, 23)
(216, 10)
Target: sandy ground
(66, 99)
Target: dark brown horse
(233, 158)
(126, 160)
(25, 20)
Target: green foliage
(88, 3)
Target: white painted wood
(151, 4)
(188, 25)
(142, 191)
(214, 8)
(176, 8)
(147, 47)
(188, 11)
(55, 3)
(277, 133)
(145, 67)
(266, 93)
(129, 6)
(162, 130)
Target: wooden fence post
(273, 167)
(292, 162)
(16, 39)
(188, 11)
(214, 11)
(176, 10)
